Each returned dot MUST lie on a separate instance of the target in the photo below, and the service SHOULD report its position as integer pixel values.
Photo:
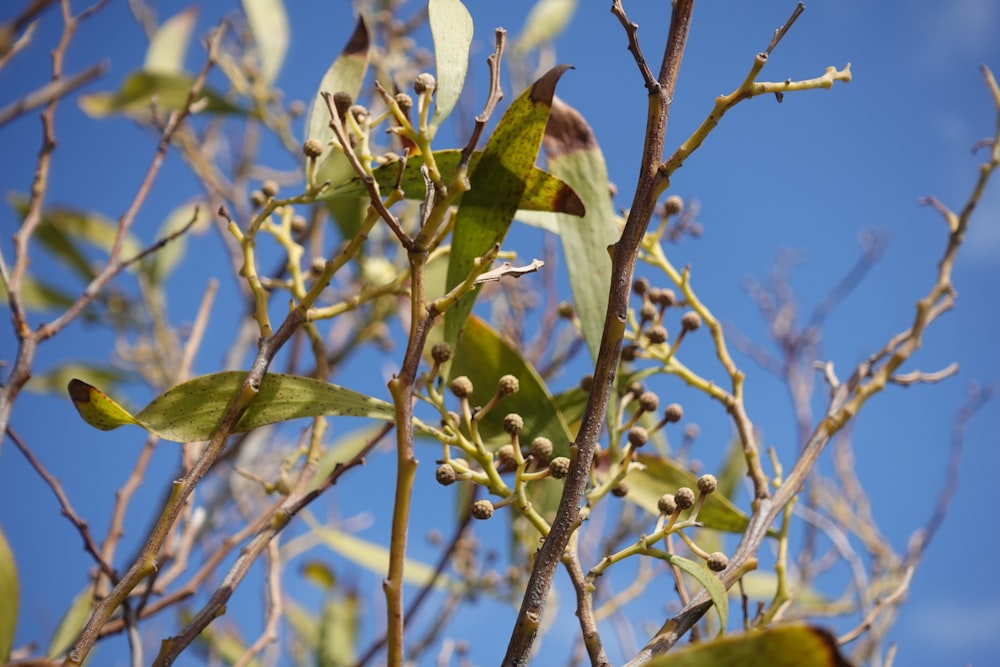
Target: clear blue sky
(809, 174)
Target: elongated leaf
(191, 411)
(664, 476)
(165, 54)
(542, 191)
(158, 266)
(546, 20)
(71, 624)
(269, 25)
(483, 356)
(452, 30)
(498, 185)
(709, 582)
(339, 630)
(56, 379)
(346, 74)
(9, 595)
(38, 295)
(375, 557)
(793, 645)
(170, 92)
(573, 155)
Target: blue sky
(809, 174)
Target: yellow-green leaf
(165, 54)
(542, 191)
(9, 595)
(546, 20)
(483, 356)
(793, 645)
(269, 25)
(339, 630)
(709, 582)
(97, 408)
(497, 184)
(452, 30)
(664, 476)
(192, 410)
(71, 624)
(140, 89)
(158, 265)
(38, 295)
(573, 155)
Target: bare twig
(51, 91)
(506, 269)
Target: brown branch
(51, 91)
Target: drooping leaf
(483, 356)
(542, 191)
(792, 645)
(664, 476)
(546, 20)
(497, 184)
(71, 624)
(165, 54)
(269, 25)
(573, 155)
(375, 557)
(452, 30)
(170, 92)
(191, 410)
(9, 595)
(709, 582)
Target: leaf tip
(543, 90)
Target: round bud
(296, 108)
(441, 352)
(673, 413)
(620, 490)
(673, 205)
(690, 321)
(541, 449)
(505, 458)
(508, 385)
(445, 474)
(269, 188)
(648, 312)
(640, 286)
(451, 420)
(299, 224)
(635, 388)
(630, 352)
(649, 401)
(707, 484)
(342, 102)
(638, 436)
(666, 504)
(424, 83)
(656, 334)
(513, 423)
(717, 561)
(559, 467)
(404, 101)
(586, 382)
(566, 310)
(359, 112)
(257, 198)
(691, 431)
(482, 509)
(317, 266)
(684, 497)
(312, 148)
(461, 386)
(664, 297)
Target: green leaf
(498, 184)
(38, 295)
(709, 582)
(269, 25)
(165, 54)
(792, 645)
(191, 410)
(346, 75)
(483, 356)
(339, 630)
(546, 20)
(319, 573)
(573, 155)
(71, 624)
(664, 476)
(9, 595)
(57, 379)
(224, 643)
(452, 30)
(170, 92)
(542, 191)
(375, 557)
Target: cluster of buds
(650, 331)
(672, 505)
